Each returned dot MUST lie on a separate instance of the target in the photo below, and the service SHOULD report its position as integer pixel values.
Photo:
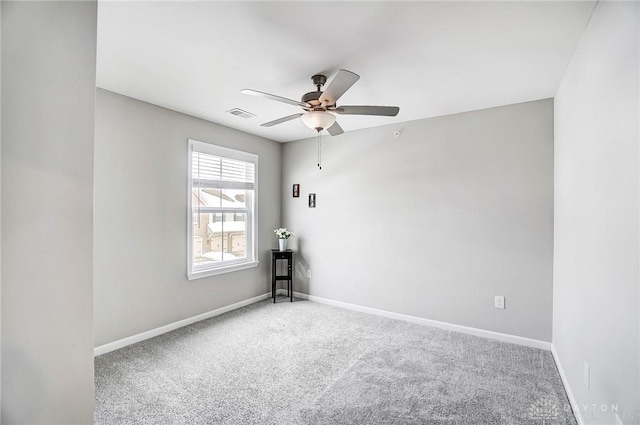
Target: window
(222, 214)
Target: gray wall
(433, 223)
(48, 95)
(596, 295)
(140, 218)
(0, 214)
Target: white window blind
(218, 172)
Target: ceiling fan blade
(274, 97)
(338, 86)
(281, 120)
(335, 129)
(386, 111)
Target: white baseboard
(103, 349)
(572, 400)
(513, 339)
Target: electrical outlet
(586, 374)
(499, 301)
(309, 273)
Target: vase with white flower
(283, 236)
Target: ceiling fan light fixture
(318, 120)
(320, 106)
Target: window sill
(221, 270)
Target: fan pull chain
(319, 152)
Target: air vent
(240, 113)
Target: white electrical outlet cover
(586, 374)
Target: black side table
(282, 255)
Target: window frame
(251, 238)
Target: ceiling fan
(320, 106)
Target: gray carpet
(308, 363)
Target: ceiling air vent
(240, 113)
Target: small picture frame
(312, 200)
(296, 190)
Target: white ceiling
(428, 58)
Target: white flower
(283, 233)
